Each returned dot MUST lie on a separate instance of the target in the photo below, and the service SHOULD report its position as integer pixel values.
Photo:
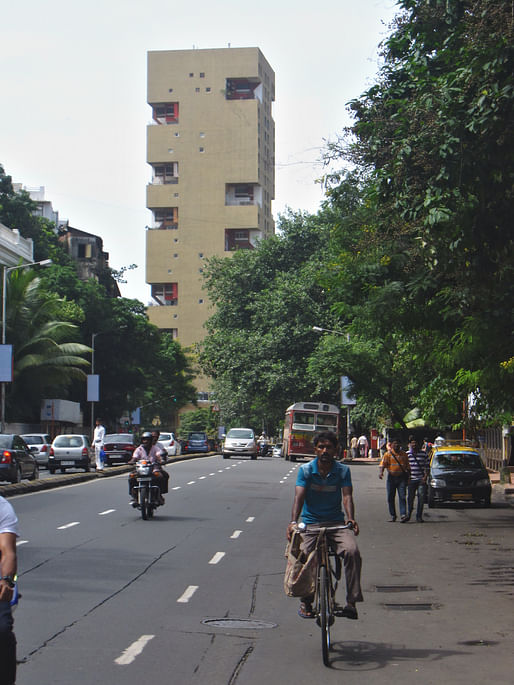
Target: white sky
(73, 110)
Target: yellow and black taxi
(457, 474)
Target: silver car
(42, 442)
(70, 451)
(239, 441)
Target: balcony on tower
(243, 89)
(164, 113)
(165, 294)
(241, 238)
(165, 218)
(163, 174)
(243, 194)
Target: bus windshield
(303, 420)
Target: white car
(170, 443)
(42, 442)
(276, 450)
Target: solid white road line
(128, 656)
(107, 511)
(217, 558)
(235, 534)
(188, 594)
(69, 525)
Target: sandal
(305, 610)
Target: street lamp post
(93, 336)
(6, 270)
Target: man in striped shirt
(418, 461)
(396, 462)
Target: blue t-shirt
(323, 497)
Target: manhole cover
(398, 588)
(249, 623)
(409, 607)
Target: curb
(59, 481)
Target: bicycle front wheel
(324, 613)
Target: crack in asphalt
(104, 601)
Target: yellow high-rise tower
(211, 146)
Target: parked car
(42, 442)
(17, 461)
(457, 473)
(196, 442)
(240, 441)
(170, 443)
(118, 448)
(276, 450)
(70, 451)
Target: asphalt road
(110, 598)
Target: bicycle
(328, 577)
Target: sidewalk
(501, 491)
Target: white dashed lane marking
(107, 511)
(217, 558)
(68, 525)
(235, 534)
(128, 656)
(186, 596)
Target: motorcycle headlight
(437, 483)
(483, 482)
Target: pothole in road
(249, 623)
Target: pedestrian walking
(98, 441)
(354, 446)
(396, 462)
(363, 446)
(8, 535)
(418, 462)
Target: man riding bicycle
(323, 488)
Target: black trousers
(7, 646)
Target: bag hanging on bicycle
(300, 576)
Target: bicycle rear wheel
(324, 613)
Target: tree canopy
(53, 319)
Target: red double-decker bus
(303, 420)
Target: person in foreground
(323, 488)
(8, 535)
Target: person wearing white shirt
(8, 535)
(98, 441)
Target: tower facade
(211, 148)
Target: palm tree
(46, 357)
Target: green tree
(46, 352)
(260, 336)
(433, 147)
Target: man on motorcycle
(151, 453)
(263, 444)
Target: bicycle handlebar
(342, 526)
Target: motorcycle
(263, 449)
(147, 493)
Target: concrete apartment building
(211, 147)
